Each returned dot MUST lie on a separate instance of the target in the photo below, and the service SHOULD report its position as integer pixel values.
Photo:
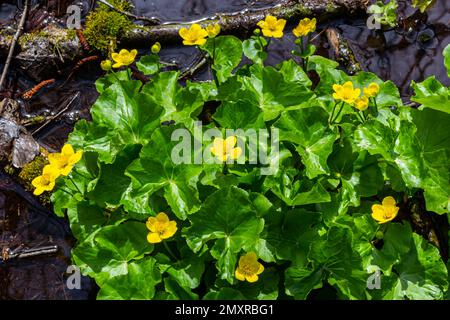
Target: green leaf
(138, 284)
(300, 281)
(179, 104)
(385, 14)
(308, 129)
(388, 96)
(112, 183)
(266, 88)
(446, 54)
(228, 217)
(148, 65)
(227, 54)
(155, 170)
(239, 115)
(187, 271)
(253, 49)
(423, 5)
(291, 233)
(292, 72)
(413, 268)
(178, 292)
(224, 294)
(109, 252)
(432, 94)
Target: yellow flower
(123, 58)
(361, 103)
(372, 90)
(386, 211)
(160, 228)
(224, 149)
(156, 48)
(106, 65)
(213, 30)
(346, 92)
(272, 27)
(304, 27)
(195, 35)
(248, 268)
(46, 181)
(65, 160)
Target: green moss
(32, 170)
(104, 25)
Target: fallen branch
(342, 52)
(13, 44)
(245, 20)
(43, 54)
(150, 20)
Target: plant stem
(73, 182)
(375, 105)
(332, 113)
(339, 112)
(169, 250)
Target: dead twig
(194, 68)
(56, 115)
(13, 43)
(150, 20)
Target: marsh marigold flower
(346, 92)
(160, 228)
(372, 90)
(362, 103)
(46, 181)
(248, 268)
(65, 160)
(106, 65)
(304, 27)
(195, 35)
(224, 149)
(123, 58)
(213, 30)
(272, 27)
(386, 211)
(156, 48)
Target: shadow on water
(412, 51)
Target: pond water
(410, 52)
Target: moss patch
(104, 25)
(29, 172)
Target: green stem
(332, 113)
(73, 182)
(360, 118)
(81, 175)
(375, 105)
(64, 190)
(339, 112)
(214, 50)
(169, 250)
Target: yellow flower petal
(236, 153)
(230, 142)
(67, 150)
(153, 237)
(162, 218)
(251, 278)
(170, 230)
(239, 275)
(151, 224)
(261, 269)
(389, 201)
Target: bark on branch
(43, 54)
(240, 21)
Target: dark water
(399, 55)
